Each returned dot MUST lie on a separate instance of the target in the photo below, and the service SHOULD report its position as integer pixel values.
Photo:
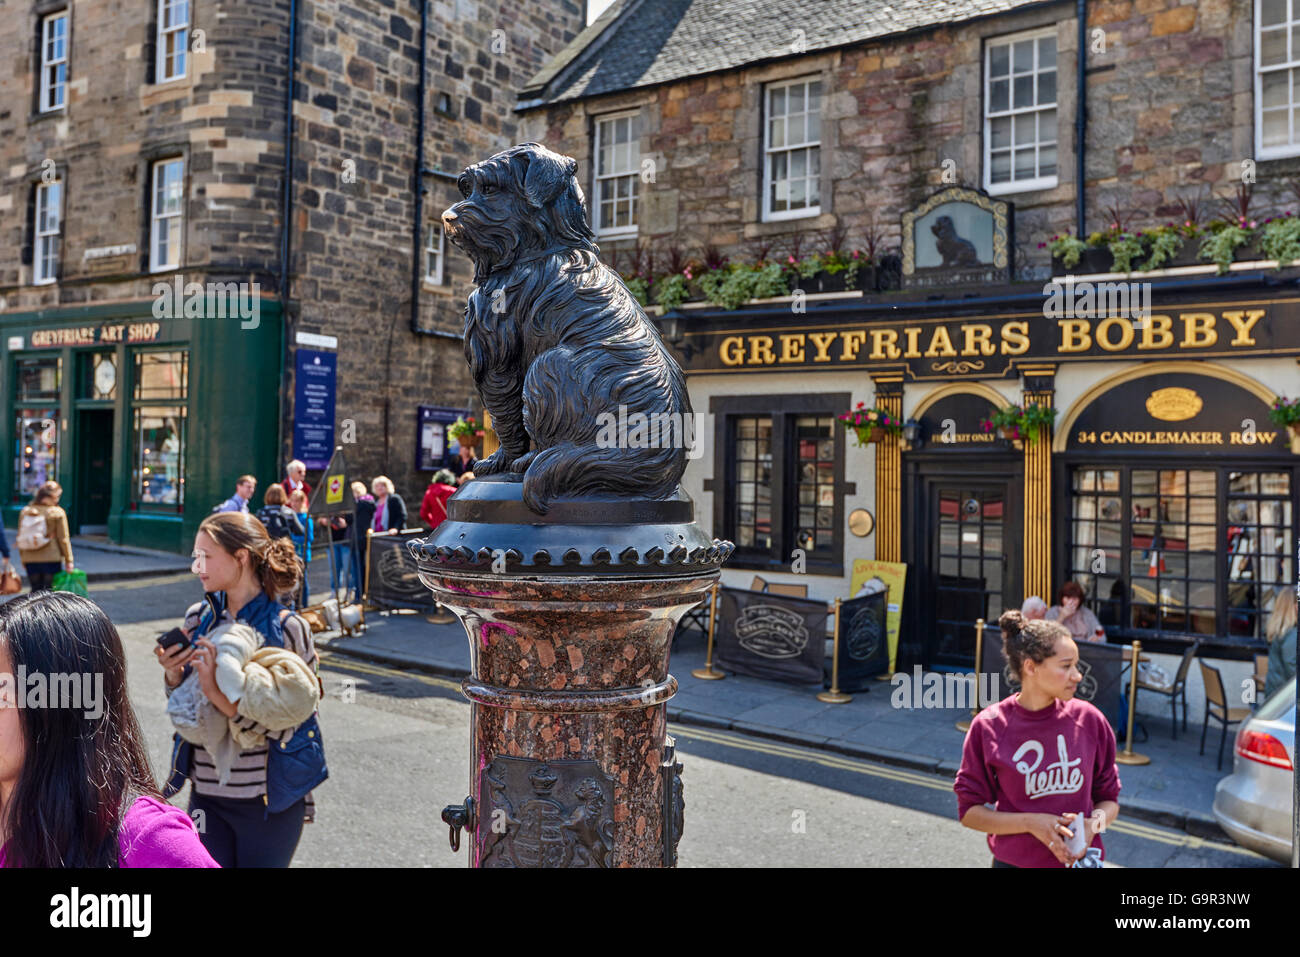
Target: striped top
(248, 774)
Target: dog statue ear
(548, 174)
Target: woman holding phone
(76, 789)
(1041, 757)
(255, 819)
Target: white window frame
(613, 177)
(166, 30)
(45, 267)
(1291, 148)
(51, 62)
(1037, 182)
(769, 151)
(174, 219)
(435, 252)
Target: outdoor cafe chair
(1216, 706)
(1176, 688)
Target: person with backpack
(43, 539)
(277, 516)
(255, 816)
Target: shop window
(161, 375)
(173, 39)
(792, 150)
(779, 485)
(1155, 552)
(37, 457)
(167, 219)
(618, 171)
(1277, 79)
(158, 459)
(38, 379)
(54, 61)
(1020, 112)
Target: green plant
(1124, 248)
(735, 285)
(671, 291)
(1066, 248)
(862, 419)
(1285, 412)
(639, 288)
(1280, 239)
(1221, 245)
(1165, 243)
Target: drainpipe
(287, 219)
(1081, 118)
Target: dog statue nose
(448, 216)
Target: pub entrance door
(967, 549)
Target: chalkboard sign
(864, 641)
(771, 636)
(1101, 664)
(392, 577)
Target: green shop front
(145, 422)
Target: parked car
(1253, 803)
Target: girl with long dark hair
(254, 818)
(75, 785)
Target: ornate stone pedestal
(570, 618)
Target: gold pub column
(889, 465)
(1039, 385)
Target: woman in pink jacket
(75, 785)
(1041, 757)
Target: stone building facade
(123, 124)
(1179, 102)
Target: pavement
(103, 560)
(1176, 789)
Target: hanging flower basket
(1286, 412)
(870, 425)
(467, 431)
(1019, 424)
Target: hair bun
(1011, 622)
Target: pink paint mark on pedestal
(488, 625)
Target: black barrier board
(393, 579)
(864, 641)
(1101, 665)
(771, 636)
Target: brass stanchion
(1128, 755)
(963, 725)
(708, 672)
(835, 695)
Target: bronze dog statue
(555, 341)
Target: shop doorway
(967, 551)
(94, 477)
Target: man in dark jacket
(362, 518)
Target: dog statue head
(519, 204)
(943, 227)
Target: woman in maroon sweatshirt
(1040, 756)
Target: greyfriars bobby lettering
(554, 338)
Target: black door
(967, 551)
(94, 469)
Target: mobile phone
(174, 637)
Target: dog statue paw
(562, 354)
